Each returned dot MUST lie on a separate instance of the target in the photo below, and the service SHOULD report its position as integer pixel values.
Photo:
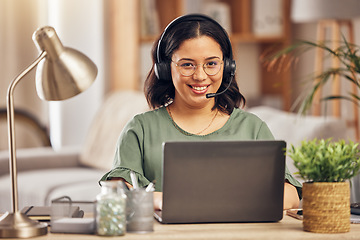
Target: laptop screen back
(227, 181)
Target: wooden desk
(288, 228)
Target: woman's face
(202, 51)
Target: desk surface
(288, 228)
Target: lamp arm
(11, 130)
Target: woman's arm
(291, 197)
(158, 200)
(122, 179)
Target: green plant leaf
(326, 161)
(348, 55)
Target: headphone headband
(189, 17)
(162, 68)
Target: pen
(134, 180)
(150, 187)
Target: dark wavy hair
(160, 92)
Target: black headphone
(162, 68)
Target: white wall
(79, 25)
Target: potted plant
(326, 167)
(349, 70)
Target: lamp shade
(64, 72)
(314, 10)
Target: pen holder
(139, 211)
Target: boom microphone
(210, 95)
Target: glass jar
(111, 209)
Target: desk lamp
(62, 73)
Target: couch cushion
(39, 187)
(117, 110)
(40, 158)
(294, 128)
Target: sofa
(45, 174)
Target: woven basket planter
(326, 207)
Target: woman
(192, 60)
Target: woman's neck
(197, 120)
(184, 109)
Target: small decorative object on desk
(326, 166)
(67, 216)
(110, 209)
(355, 208)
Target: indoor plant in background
(326, 167)
(347, 71)
(347, 54)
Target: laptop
(222, 181)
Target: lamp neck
(11, 131)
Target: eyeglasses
(188, 68)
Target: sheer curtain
(18, 20)
(79, 25)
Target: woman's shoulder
(152, 113)
(242, 114)
(158, 114)
(146, 120)
(248, 124)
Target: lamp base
(18, 225)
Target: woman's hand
(291, 197)
(157, 200)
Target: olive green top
(139, 147)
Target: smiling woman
(191, 87)
(193, 97)
(159, 87)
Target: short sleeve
(264, 133)
(129, 155)
(293, 182)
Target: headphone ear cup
(229, 68)
(162, 71)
